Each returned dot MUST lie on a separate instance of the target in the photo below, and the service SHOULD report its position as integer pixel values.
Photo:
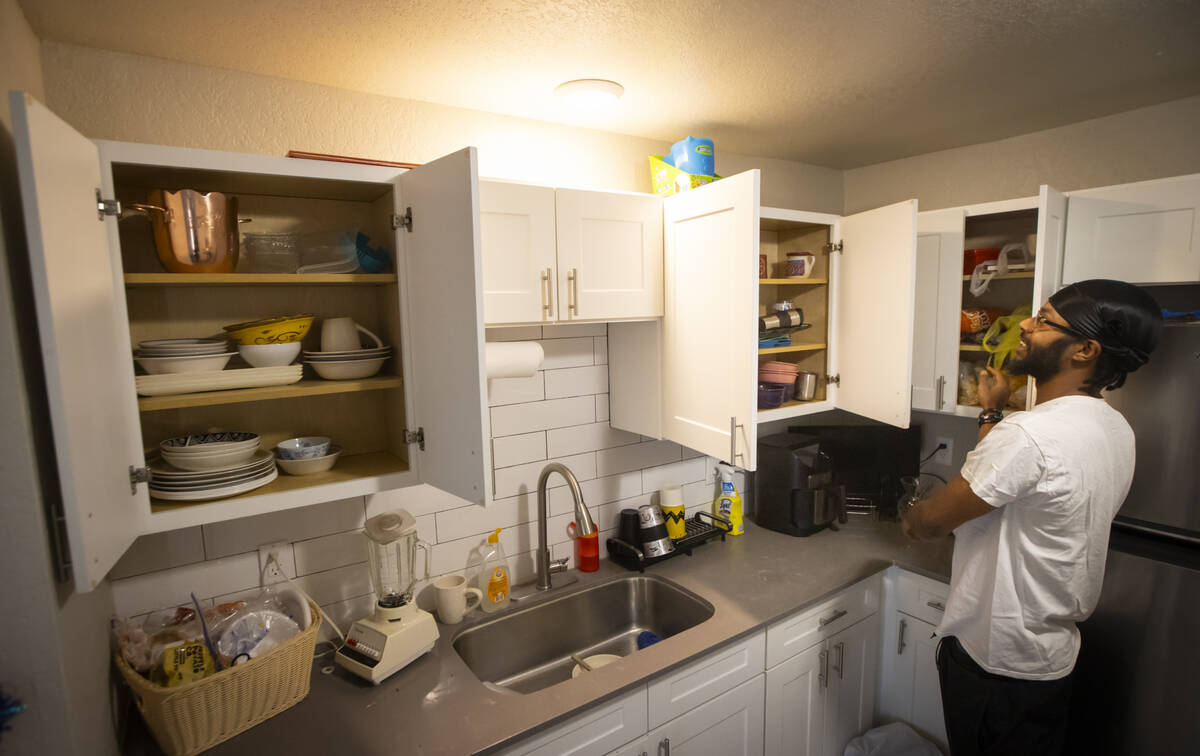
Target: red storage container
(973, 257)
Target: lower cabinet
(593, 733)
(909, 689)
(821, 698)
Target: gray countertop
(437, 706)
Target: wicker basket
(192, 718)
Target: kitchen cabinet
(1146, 233)
(909, 687)
(692, 378)
(99, 289)
(597, 731)
(729, 725)
(712, 674)
(568, 255)
(943, 291)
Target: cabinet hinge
(833, 380)
(137, 475)
(830, 248)
(417, 438)
(402, 220)
(106, 206)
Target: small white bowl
(202, 363)
(309, 466)
(214, 461)
(305, 447)
(269, 355)
(348, 370)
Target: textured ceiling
(830, 82)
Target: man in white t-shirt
(1030, 514)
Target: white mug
(451, 595)
(341, 335)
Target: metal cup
(655, 541)
(806, 386)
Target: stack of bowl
(158, 356)
(284, 329)
(306, 455)
(210, 466)
(780, 373)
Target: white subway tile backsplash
(329, 552)
(612, 488)
(247, 534)
(160, 551)
(600, 347)
(585, 438)
(574, 329)
(503, 391)
(556, 413)
(699, 493)
(513, 333)
(344, 613)
(602, 408)
(517, 450)
(674, 474)
(592, 379)
(567, 353)
(511, 480)
(636, 457)
(338, 584)
(167, 588)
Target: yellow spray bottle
(728, 503)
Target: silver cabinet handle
(546, 294)
(733, 452)
(823, 674)
(936, 605)
(900, 646)
(664, 747)
(940, 400)
(841, 664)
(827, 620)
(573, 292)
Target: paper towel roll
(513, 359)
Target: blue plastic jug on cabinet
(694, 155)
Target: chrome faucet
(583, 522)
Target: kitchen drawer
(921, 597)
(707, 678)
(593, 733)
(806, 628)
(639, 747)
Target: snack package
(978, 319)
(184, 663)
(968, 384)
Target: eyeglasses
(1041, 320)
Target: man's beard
(1042, 363)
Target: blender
(397, 632)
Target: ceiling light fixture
(589, 93)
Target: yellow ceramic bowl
(281, 330)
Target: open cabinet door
(1051, 238)
(710, 336)
(442, 307)
(86, 353)
(940, 237)
(876, 281)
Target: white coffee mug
(341, 335)
(451, 594)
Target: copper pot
(194, 232)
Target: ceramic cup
(450, 593)
(800, 264)
(342, 335)
(671, 502)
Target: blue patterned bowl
(305, 447)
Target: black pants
(992, 715)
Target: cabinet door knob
(900, 646)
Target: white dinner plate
(191, 383)
(217, 493)
(163, 470)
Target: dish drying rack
(697, 532)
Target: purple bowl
(770, 395)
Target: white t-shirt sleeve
(1006, 465)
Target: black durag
(1123, 318)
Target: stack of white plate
(159, 356)
(170, 483)
(209, 451)
(190, 383)
(353, 363)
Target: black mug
(628, 527)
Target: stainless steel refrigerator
(1138, 676)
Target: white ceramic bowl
(305, 447)
(202, 363)
(309, 466)
(214, 461)
(269, 355)
(349, 369)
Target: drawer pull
(841, 664)
(664, 747)
(828, 620)
(900, 646)
(936, 605)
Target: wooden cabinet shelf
(792, 281)
(970, 348)
(314, 387)
(1006, 277)
(792, 348)
(259, 279)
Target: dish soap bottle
(728, 503)
(492, 575)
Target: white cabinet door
(853, 665)
(445, 376)
(729, 725)
(1148, 232)
(909, 688)
(704, 679)
(872, 329)
(516, 230)
(710, 320)
(938, 300)
(610, 255)
(1051, 238)
(795, 705)
(927, 716)
(77, 287)
(597, 731)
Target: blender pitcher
(392, 545)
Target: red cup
(587, 550)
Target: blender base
(384, 643)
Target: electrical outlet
(944, 456)
(271, 574)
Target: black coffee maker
(795, 490)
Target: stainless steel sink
(530, 649)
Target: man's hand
(947, 508)
(993, 388)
